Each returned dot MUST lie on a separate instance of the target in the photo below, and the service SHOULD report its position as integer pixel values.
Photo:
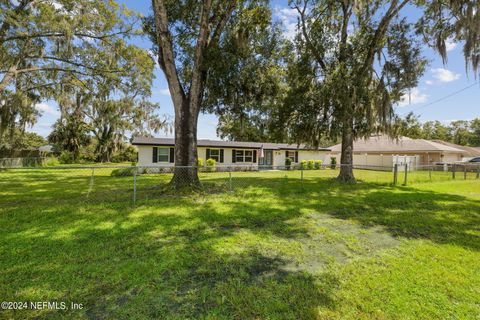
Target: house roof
(225, 144)
(468, 151)
(382, 143)
(46, 148)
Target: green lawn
(275, 248)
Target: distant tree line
(76, 54)
(462, 132)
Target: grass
(276, 248)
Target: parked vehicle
(475, 160)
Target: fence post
(430, 172)
(464, 172)
(395, 174)
(454, 168)
(230, 178)
(90, 187)
(301, 175)
(478, 172)
(135, 186)
(406, 174)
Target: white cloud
(47, 109)
(450, 44)
(429, 82)
(165, 92)
(445, 75)
(288, 17)
(415, 96)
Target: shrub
(51, 162)
(318, 164)
(126, 154)
(211, 164)
(123, 172)
(304, 164)
(288, 163)
(311, 164)
(333, 163)
(200, 163)
(66, 157)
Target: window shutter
(155, 155)
(208, 154)
(254, 156)
(296, 156)
(233, 156)
(221, 155)
(286, 154)
(172, 155)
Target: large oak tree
(356, 59)
(189, 38)
(47, 43)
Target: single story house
(383, 151)
(160, 152)
(469, 152)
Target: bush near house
(200, 162)
(288, 163)
(333, 163)
(311, 164)
(318, 164)
(211, 164)
(304, 164)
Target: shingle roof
(468, 151)
(225, 144)
(383, 143)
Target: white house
(160, 152)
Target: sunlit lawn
(276, 247)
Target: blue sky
(438, 82)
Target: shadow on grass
(137, 263)
(218, 256)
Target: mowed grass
(275, 248)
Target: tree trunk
(346, 161)
(185, 173)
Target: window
(243, 156)
(215, 154)
(248, 156)
(163, 154)
(291, 155)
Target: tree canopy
(190, 39)
(45, 45)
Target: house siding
(386, 158)
(145, 156)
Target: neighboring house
(382, 150)
(160, 152)
(45, 150)
(469, 152)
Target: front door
(266, 161)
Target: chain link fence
(136, 184)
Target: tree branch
(166, 55)
(310, 45)
(39, 69)
(77, 64)
(61, 34)
(381, 30)
(198, 74)
(221, 22)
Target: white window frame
(168, 154)
(242, 158)
(215, 157)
